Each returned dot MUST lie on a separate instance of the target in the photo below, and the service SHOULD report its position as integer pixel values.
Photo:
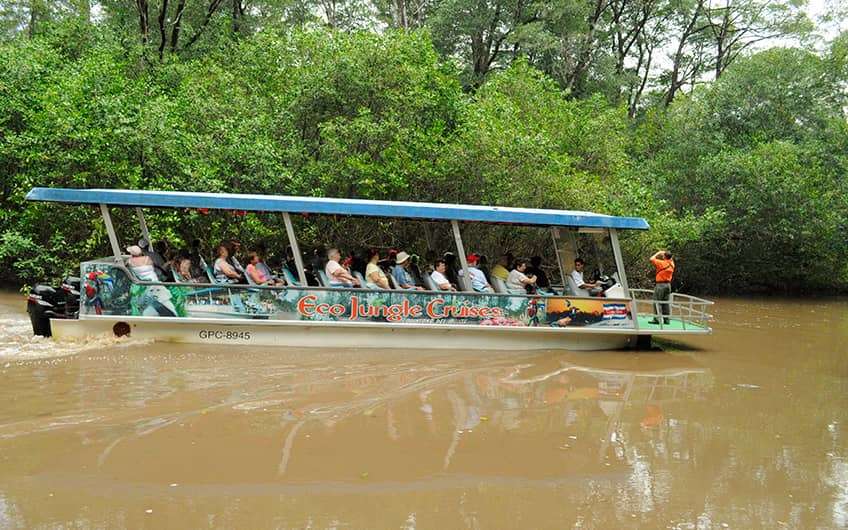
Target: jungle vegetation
(722, 123)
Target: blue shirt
(402, 277)
(478, 279)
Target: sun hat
(135, 250)
(401, 257)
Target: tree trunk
(236, 16)
(163, 36)
(401, 15)
(675, 82)
(178, 19)
(37, 9)
(143, 20)
(84, 10)
(575, 81)
(645, 63)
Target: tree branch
(209, 12)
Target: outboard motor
(45, 302)
(42, 300)
(71, 288)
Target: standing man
(664, 264)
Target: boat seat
(178, 278)
(499, 285)
(211, 274)
(290, 277)
(576, 291)
(463, 283)
(322, 279)
(392, 283)
(428, 283)
(358, 275)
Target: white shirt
(515, 279)
(578, 279)
(439, 279)
(330, 268)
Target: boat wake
(17, 343)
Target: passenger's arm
(375, 278)
(228, 270)
(255, 275)
(342, 274)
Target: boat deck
(674, 325)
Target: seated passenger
(478, 279)
(156, 253)
(451, 267)
(517, 281)
(224, 272)
(439, 278)
(337, 275)
(536, 270)
(577, 275)
(234, 248)
(500, 269)
(265, 269)
(141, 265)
(375, 278)
(185, 273)
(401, 272)
(290, 263)
(256, 270)
(198, 271)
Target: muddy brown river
(746, 428)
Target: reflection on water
(746, 429)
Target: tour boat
(112, 300)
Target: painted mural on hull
(108, 290)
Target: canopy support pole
(619, 262)
(143, 223)
(110, 230)
(466, 279)
(298, 258)
(622, 277)
(555, 237)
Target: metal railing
(689, 310)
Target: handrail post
(110, 231)
(465, 280)
(298, 258)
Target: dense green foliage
(744, 178)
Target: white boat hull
(348, 334)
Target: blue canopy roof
(329, 206)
